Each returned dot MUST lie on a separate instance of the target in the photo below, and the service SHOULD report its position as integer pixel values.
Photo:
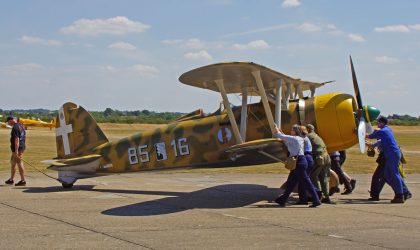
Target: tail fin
(77, 133)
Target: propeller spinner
(365, 113)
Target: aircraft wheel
(67, 185)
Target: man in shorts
(17, 145)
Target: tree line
(110, 115)
(107, 116)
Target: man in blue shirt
(17, 145)
(392, 155)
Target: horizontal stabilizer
(57, 163)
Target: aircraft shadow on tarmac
(217, 197)
(222, 196)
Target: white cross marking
(64, 130)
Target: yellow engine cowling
(335, 121)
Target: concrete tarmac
(162, 210)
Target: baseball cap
(382, 119)
(9, 118)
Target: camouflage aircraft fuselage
(193, 141)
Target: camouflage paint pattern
(194, 140)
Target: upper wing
(238, 75)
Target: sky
(128, 54)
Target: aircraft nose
(370, 113)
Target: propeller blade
(361, 133)
(356, 86)
(369, 128)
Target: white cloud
(393, 28)
(198, 55)
(290, 3)
(385, 60)
(333, 30)
(258, 44)
(415, 27)
(119, 25)
(30, 40)
(193, 43)
(38, 40)
(21, 68)
(356, 38)
(144, 70)
(309, 27)
(122, 46)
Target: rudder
(77, 133)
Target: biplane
(31, 123)
(230, 136)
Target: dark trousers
(303, 195)
(343, 156)
(378, 178)
(336, 167)
(299, 175)
(391, 171)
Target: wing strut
(312, 91)
(301, 110)
(261, 90)
(269, 155)
(286, 97)
(244, 112)
(277, 113)
(226, 103)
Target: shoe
(9, 182)
(373, 199)
(327, 201)
(279, 200)
(352, 184)
(399, 198)
(407, 196)
(333, 191)
(281, 204)
(21, 183)
(346, 192)
(315, 205)
(299, 202)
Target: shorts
(16, 160)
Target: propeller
(364, 114)
(361, 133)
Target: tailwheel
(67, 185)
